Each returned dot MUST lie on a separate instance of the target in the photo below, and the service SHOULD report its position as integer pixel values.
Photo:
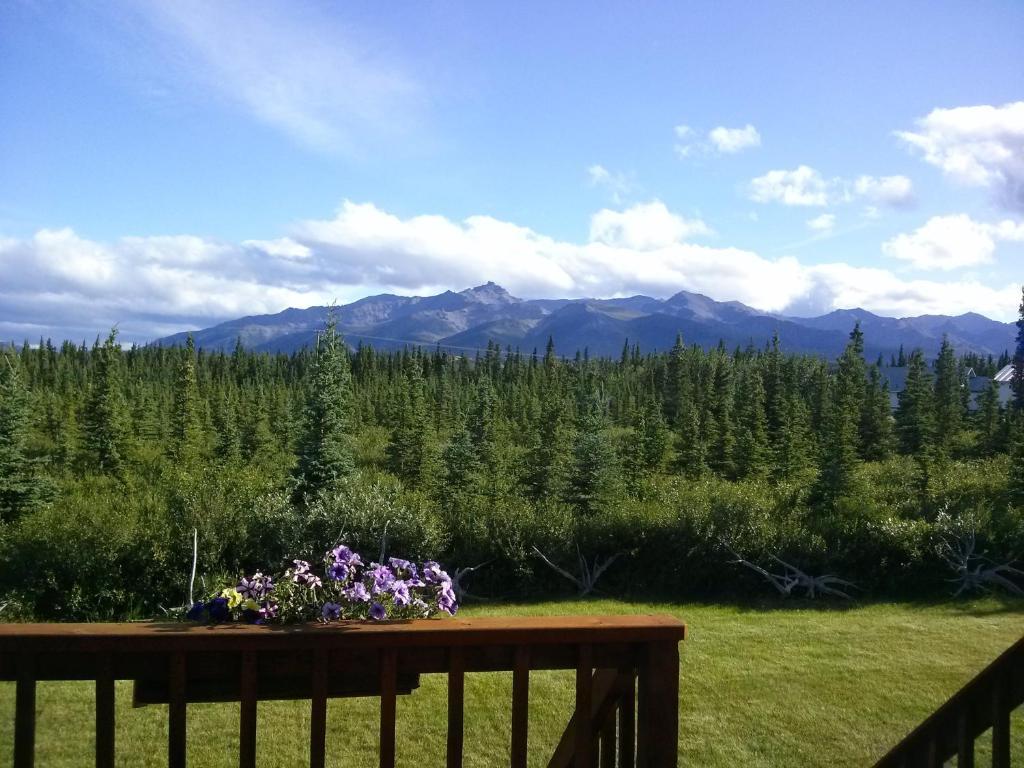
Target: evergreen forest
(658, 470)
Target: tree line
(458, 437)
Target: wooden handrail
(176, 664)
(983, 703)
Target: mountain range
(466, 321)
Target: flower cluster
(347, 588)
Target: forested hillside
(671, 462)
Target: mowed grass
(775, 684)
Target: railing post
(318, 710)
(584, 702)
(627, 714)
(25, 713)
(247, 711)
(1000, 723)
(520, 706)
(176, 712)
(105, 711)
(659, 706)
(388, 674)
(456, 687)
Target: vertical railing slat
(388, 675)
(318, 711)
(247, 711)
(456, 690)
(659, 706)
(608, 741)
(627, 714)
(584, 701)
(176, 712)
(964, 740)
(105, 711)
(520, 706)
(25, 713)
(1000, 724)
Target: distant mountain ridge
(467, 320)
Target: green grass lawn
(774, 684)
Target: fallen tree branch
(793, 578)
(589, 574)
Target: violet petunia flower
(378, 611)
(331, 611)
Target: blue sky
(170, 165)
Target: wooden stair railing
(627, 677)
(952, 730)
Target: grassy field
(790, 685)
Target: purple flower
(331, 611)
(301, 566)
(343, 554)
(338, 571)
(195, 613)
(378, 611)
(432, 573)
(400, 590)
(268, 610)
(382, 577)
(357, 593)
(398, 565)
(218, 609)
(446, 599)
(256, 587)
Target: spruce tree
(915, 415)
(547, 458)
(594, 478)
(104, 432)
(989, 420)
(408, 446)
(721, 452)
(325, 447)
(1017, 382)
(229, 440)
(949, 409)
(752, 450)
(186, 426)
(841, 450)
(19, 487)
(876, 418)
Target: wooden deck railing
(951, 731)
(627, 677)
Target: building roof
(1005, 374)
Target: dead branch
(793, 578)
(457, 581)
(589, 573)
(977, 572)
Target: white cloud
(952, 242)
(719, 140)
(733, 140)
(980, 146)
(944, 242)
(329, 86)
(686, 141)
(802, 186)
(58, 282)
(616, 183)
(805, 186)
(644, 227)
(824, 223)
(896, 191)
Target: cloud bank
(60, 284)
(981, 146)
